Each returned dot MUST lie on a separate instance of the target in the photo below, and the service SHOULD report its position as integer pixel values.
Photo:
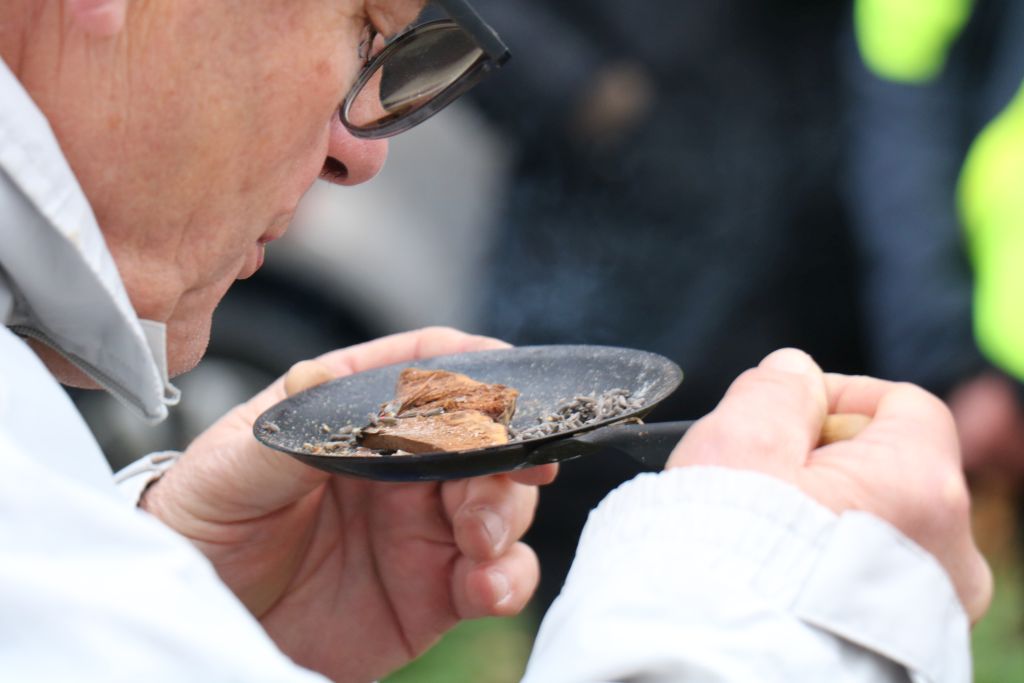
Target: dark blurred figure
(674, 189)
(919, 96)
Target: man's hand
(903, 467)
(352, 578)
(990, 420)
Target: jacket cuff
(133, 480)
(852, 575)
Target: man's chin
(186, 348)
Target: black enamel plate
(547, 377)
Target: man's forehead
(391, 16)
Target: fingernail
(790, 360)
(494, 527)
(500, 587)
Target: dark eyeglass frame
(462, 16)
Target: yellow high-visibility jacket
(908, 41)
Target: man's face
(203, 128)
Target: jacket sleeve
(708, 574)
(92, 592)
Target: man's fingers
(497, 588)
(539, 475)
(769, 420)
(489, 514)
(885, 400)
(902, 414)
(855, 393)
(424, 343)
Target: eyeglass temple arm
(463, 14)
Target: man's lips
(270, 236)
(253, 261)
(256, 257)
(277, 228)
(261, 255)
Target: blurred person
(935, 173)
(992, 209)
(245, 564)
(675, 188)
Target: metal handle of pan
(651, 444)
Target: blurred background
(707, 179)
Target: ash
(575, 414)
(580, 412)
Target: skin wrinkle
(62, 40)
(443, 544)
(352, 511)
(298, 557)
(387, 599)
(244, 573)
(126, 121)
(22, 50)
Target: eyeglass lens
(411, 73)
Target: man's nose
(351, 160)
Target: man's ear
(100, 18)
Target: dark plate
(547, 377)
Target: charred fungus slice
(426, 392)
(438, 410)
(450, 431)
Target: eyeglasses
(421, 72)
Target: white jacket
(697, 575)
(91, 589)
(712, 575)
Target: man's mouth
(271, 235)
(261, 255)
(253, 261)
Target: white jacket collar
(62, 280)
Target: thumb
(246, 478)
(305, 375)
(769, 420)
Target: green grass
(495, 650)
(481, 651)
(998, 639)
